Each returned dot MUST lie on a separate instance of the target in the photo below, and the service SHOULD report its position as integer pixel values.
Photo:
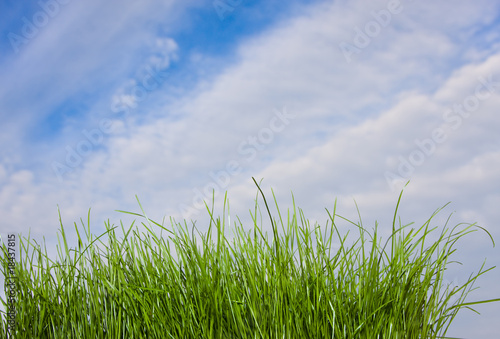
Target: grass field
(290, 283)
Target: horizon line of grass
(195, 285)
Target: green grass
(288, 284)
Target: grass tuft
(192, 285)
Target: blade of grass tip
(224, 211)
(221, 233)
(392, 237)
(362, 232)
(149, 221)
(143, 212)
(275, 232)
(478, 302)
(87, 233)
(397, 207)
(62, 231)
(211, 212)
(131, 213)
(144, 216)
(79, 238)
(228, 209)
(484, 229)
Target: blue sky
(168, 100)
